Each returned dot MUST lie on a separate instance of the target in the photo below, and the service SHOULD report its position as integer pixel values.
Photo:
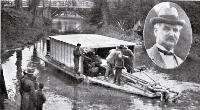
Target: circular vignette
(185, 40)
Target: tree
(192, 10)
(18, 4)
(125, 14)
(34, 4)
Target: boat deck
(61, 67)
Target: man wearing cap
(119, 64)
(167, 27)
(77, 54)
(27, 90)
(128, 62)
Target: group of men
(118, 59)
(32, 97)
(92, 62)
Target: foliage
(192, 10)
(33, 8)
(96, 15)
(15, 30)
(125, 14)
(116, 32)
(18, 4)
(33, 5)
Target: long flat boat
(58, 51)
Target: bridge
(55, 7)
(54, 3)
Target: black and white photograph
(172, 33)
(100, 55)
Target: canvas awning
(91, 40)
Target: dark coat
(77, 52)
(156, 57)
(128, 62)
(27, 90)
(40, 99)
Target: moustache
(171, 38)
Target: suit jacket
(155, 56)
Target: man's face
(167, 35)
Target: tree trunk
(19, 64)
(3, 92)
(18, 4)
(105, 12)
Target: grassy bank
(116, 32)
(16, 31)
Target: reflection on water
(63, 93)
(63, 25)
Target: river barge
(58, 51)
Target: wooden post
(133, 57)
(3, 91)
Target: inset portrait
(167, 35)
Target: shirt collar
(163, 48)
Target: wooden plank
(125, 88)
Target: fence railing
(58, 3)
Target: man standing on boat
(128, 62)
(119, 64)
(110, 63)
(77, 54)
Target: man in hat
(128, 62)
(167, 27)
(77, 54)
(119, 64)
(27, 90)
(40, 97)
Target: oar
(142, 68)
(149, 77)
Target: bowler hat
(168, 16)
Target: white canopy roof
(91, 40)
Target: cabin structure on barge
(59, 49)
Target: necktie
(168, 53)
(165, 52)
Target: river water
(65, 93)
